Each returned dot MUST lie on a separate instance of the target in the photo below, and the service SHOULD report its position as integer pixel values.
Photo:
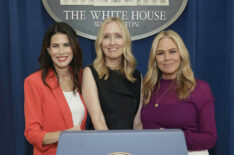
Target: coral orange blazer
(46, 110)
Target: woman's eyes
(115, 36)
(162, 52)
(159, 52)
(105, 36)
(57, 45)
(67, 44)
(173, 51)
(118, 36)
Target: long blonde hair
(185, 80)
(128, 63)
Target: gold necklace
(159, 99)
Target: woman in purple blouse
(173, 98)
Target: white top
(76, 107)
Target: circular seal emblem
(143, 17)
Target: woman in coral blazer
(52, 95)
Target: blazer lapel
(60, 98)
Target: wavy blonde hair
(185, 80)
(128, 63)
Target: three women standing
(112, 89)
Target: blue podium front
(122, 142)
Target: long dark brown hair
(46, 62)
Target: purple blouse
(195, 116)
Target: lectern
(122, 142)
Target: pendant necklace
(158, 98)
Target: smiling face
(60, 51)
(168, 58)
(112, 42)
